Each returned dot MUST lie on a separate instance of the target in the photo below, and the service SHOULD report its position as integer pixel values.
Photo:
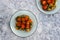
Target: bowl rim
(43, 10)
(25, 11)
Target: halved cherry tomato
(23, 19)
(44, 2)
(18, 24)
(27, 22)
(26, 18)
(23, 22)
(22, 26)
(27, 26)
(30, 20)
(49, 1)
(44, 7)
(18, 19)
(53, 1)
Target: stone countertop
(48, 25)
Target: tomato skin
(23, 19)
(44, 7)
(18, 19)
(51, 1)
(26, 18)
(27, 26)
(48, 1)
(30, 21)
(22, 26)
(27, 22)
(44, 2)
(18, 24)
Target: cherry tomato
(18, 19)
(53, 1)
(18, 24)
(26, 18)
(30, 20)
(27, 22)
(44, 7)
(23, 19)
(44, 2)
(22, 26)
(27, 26)
(49, 1)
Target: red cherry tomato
(44, 2)
(44, 7)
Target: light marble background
(48, 25)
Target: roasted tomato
(50, 1)
(44, 2)
(23, 22)
(44, 7)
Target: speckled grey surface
(48, 25)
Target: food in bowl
(24, 23)
(48, 5)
